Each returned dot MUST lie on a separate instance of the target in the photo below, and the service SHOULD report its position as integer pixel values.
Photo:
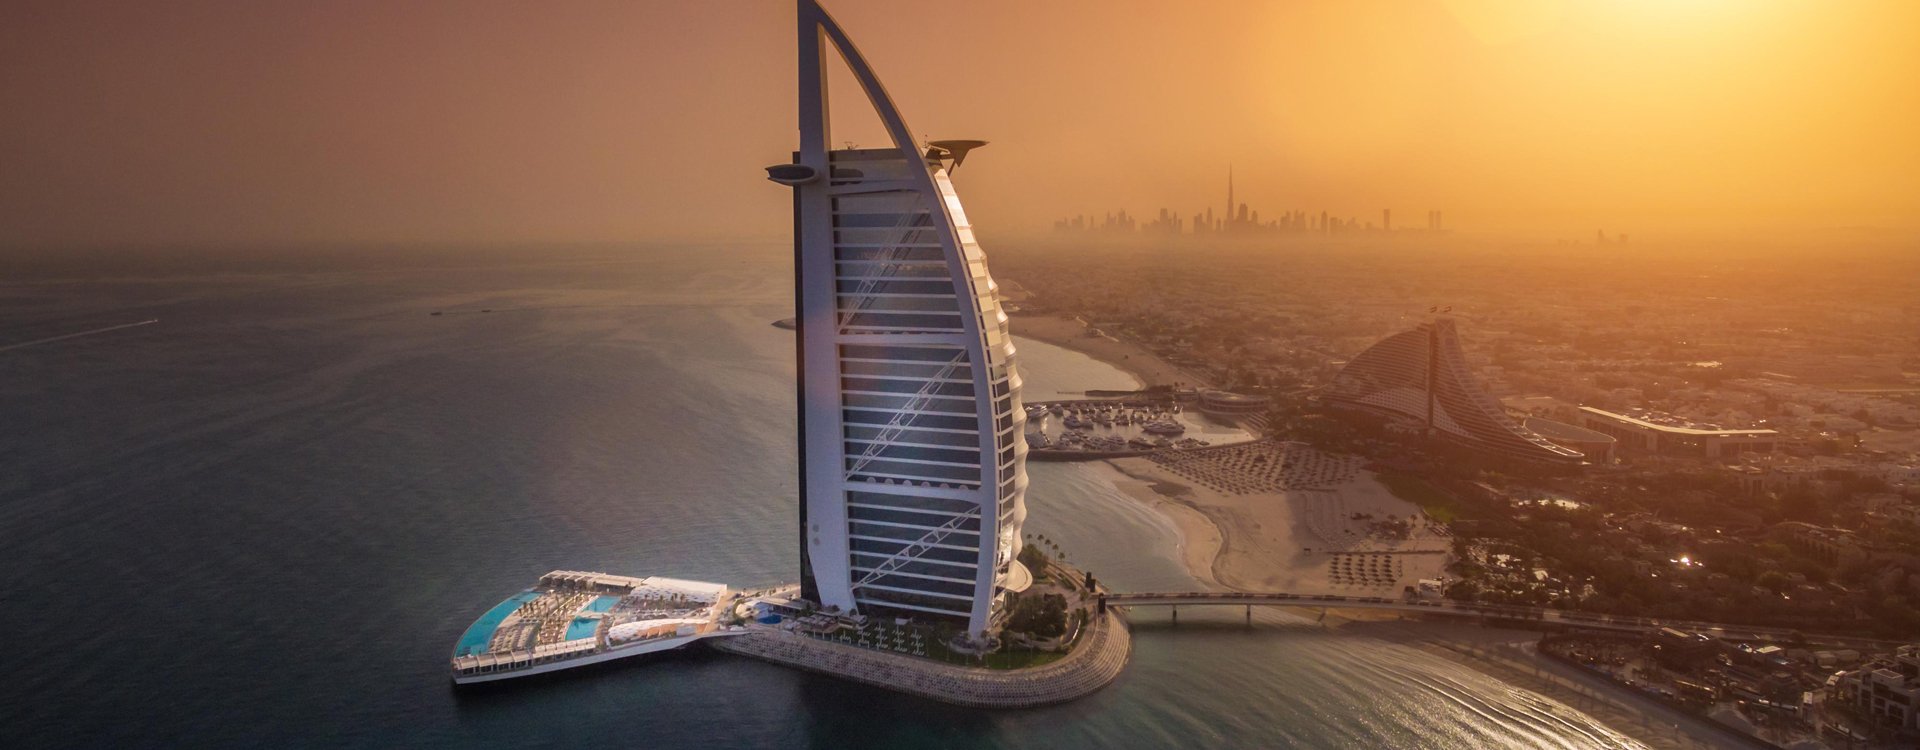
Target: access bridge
(1560, 618)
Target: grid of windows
(930, 499)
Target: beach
(1328, 531)
(1074, 333)
(1267, 516)
(1201, 539)
(1283, 517)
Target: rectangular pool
(582, 627)
(601, 604)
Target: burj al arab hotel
(912, 462)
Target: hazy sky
(305, 122)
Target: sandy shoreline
(1072, 333)
(1247, 535)
(1200, 538)
(1239, 536)
(1304, 540)
(1243, 534)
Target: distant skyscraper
(912, 454)
(1422, 376)
(1386, 219)
(1230, 203)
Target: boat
(1165, 427)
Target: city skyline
(1240, 219)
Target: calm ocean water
(265, 519)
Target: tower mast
(1230, 204)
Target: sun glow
(1503, 21)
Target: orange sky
(284, 122)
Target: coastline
(1294, 541)
(1209, 521)
(1511, 657)
(1246, 538)
(1073, 333)
(1201, 539)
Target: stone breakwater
(1099, 658)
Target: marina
(1109, 428)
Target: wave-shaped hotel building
(1421, 376)
(912, 459)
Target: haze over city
(282, 123)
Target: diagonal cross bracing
(889, 265)
(903, 418)
(912, 551)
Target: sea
(264, 518)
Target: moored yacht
(1165, 427)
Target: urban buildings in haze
(1240, 219)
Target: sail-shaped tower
(1421, 375)
(912, 477)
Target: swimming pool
(582, 627)
(601, 604)
(481, 631)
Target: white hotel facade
(911, 453)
